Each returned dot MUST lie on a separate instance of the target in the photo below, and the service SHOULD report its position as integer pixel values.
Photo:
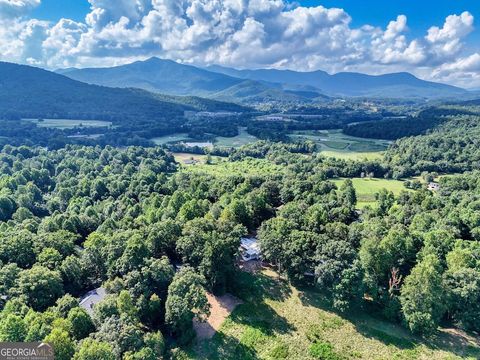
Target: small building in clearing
(90, 299)
(250, 249)
(433, 186)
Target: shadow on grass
(225, 347)
(257, 287)
(261, 317)
(370, 323)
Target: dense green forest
(78, 218)
(100, 207)
(453, 147)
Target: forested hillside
(154, 238)
(451, 148)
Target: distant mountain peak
(169, 77)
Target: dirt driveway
(221, 308)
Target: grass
(367, 188)
(243, 138)
(335, 143)
(63, 124)
(245, 167)
(279, 321)
(173, 138)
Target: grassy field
(278, 321)
(336, 144)
(63, 124)
(243, 138)
(367, 188)
(245, 167)
(162, 140)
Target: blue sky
(54, 10)
(435, 40)
(421, 13)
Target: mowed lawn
(279, 321)
(367, 188)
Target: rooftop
(90, 299)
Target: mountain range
(27, 91)
(169, 77)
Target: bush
(323, 351)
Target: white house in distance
(433, 186)
(250, 249)
(90, 299)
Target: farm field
(162, 140)
(243, 138)
(336, 144)
(63, 124)
(279, 321)
(367, 188)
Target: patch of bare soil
(220, 308)
(252, 266)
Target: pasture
(64, 124)
(335, 143)
(172, 138)
(279, 321)
(243, 138)
(367, 188)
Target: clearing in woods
(64, 124)
(335, 143)
(279, 321)
(367, 188)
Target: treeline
(413, 259)
(392, 129)
(451, 148)
(155, 239)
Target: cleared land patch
(367, 188)
(63, 124)
(279, 321)
(243, 138)
(173, 138)
(248, 166)
(220, 308)
(335, 143)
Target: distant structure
(433, 186)
(190, 161)
(92, 298)
(250, 249)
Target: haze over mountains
(169, 77)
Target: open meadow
(279, 321)
(243, 138)
(64, 124)
(335, 143)
(366, 188)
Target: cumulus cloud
(240, 33)
(16, 7)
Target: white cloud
(10, 8)
(240, 33)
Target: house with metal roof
(90, 299)
(250, 249)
